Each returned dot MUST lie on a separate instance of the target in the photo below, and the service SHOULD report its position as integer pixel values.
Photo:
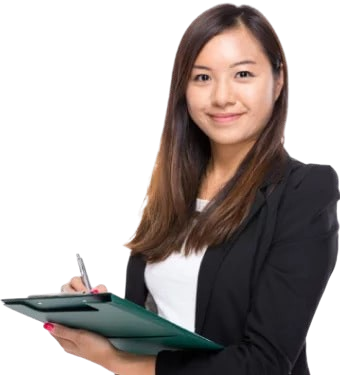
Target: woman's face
(231, 91)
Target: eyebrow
(243, 62)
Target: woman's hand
(85, 344)
(75, 284)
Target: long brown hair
(182, 159)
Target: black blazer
(257, 294)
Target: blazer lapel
(211, 262)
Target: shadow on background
(16, 135)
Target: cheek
(268, 95)
(197, 97)
(196, 101)
(260, 99)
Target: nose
(222, 93)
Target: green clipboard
(128, 326)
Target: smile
(223, 119)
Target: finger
(61, 332)
(67, 287)
(78, 284)
(75, 284)
(100, 288)
(67, 345)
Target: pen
(83, 273)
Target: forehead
(231, 46)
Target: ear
(279, 80)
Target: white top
(173, 283)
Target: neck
(225, 160)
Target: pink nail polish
(94, 291)
(49, 326)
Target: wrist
(130, 364)
(116, 361)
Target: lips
(225, 115)
(226, 120)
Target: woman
(238, 240)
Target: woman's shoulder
(312, 180)
(301, 170)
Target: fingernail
(49, 326)
(94, 291)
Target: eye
(199, 75)
(196, 78)
(245, 71)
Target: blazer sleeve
(135, 288)
(293, 278)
